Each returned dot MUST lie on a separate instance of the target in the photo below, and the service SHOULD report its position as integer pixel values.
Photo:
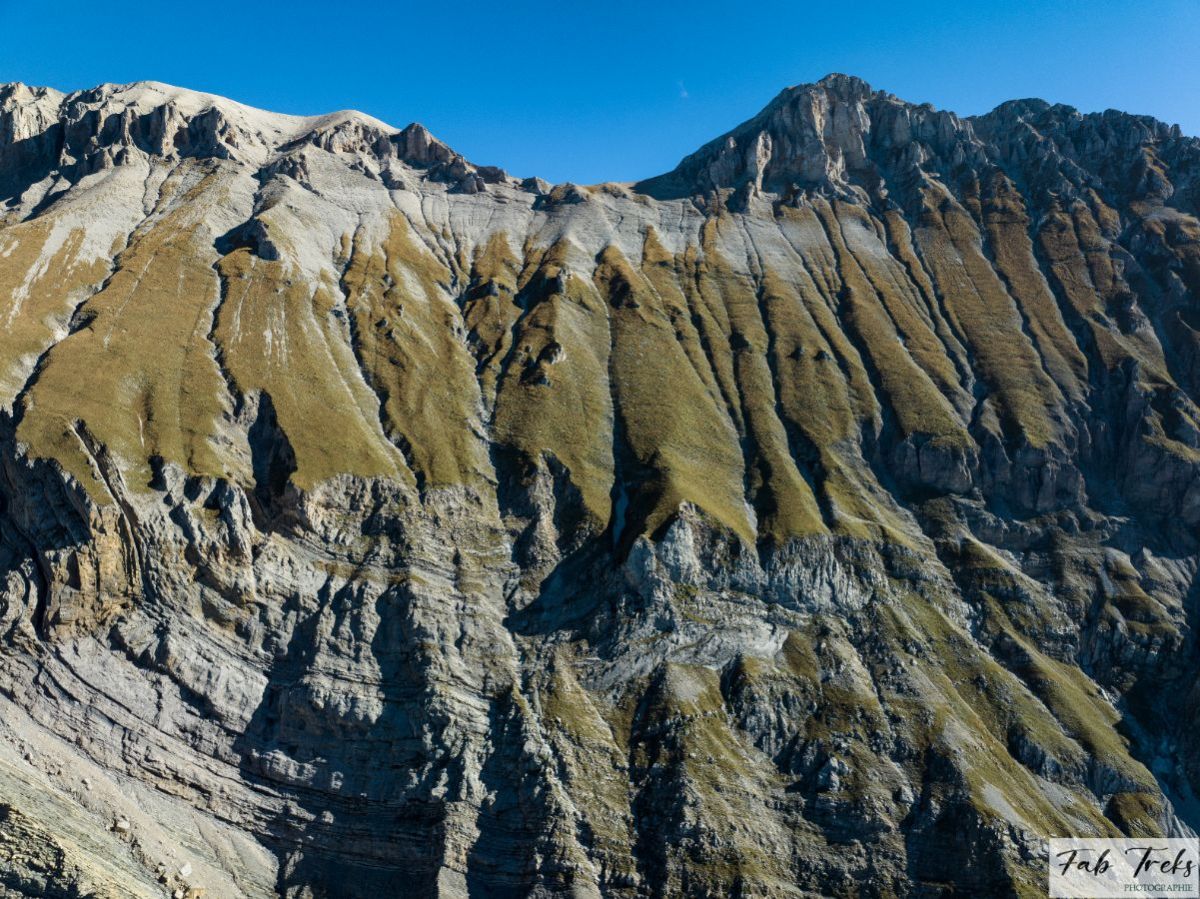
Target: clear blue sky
(619, 90)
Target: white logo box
(1125, 867)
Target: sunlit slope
(767, 363)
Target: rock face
(819, 518)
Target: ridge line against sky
(616, 92)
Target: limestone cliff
(819, 518)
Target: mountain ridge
(857, 88)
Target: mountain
(819, 518)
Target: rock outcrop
(819, 518)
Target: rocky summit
(821, 518)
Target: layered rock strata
(819, 518)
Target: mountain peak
(843, 84)
(810, 134)
(92, 129)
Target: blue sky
(619, 90)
